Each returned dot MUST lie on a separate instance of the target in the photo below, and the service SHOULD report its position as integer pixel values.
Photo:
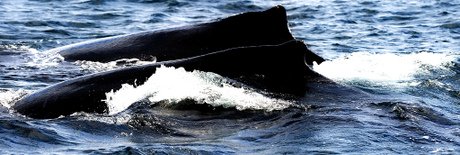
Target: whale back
(246, 29)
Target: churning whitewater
(388, 69)
(173, 85)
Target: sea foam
(175, 84)
(8, 97)
(387, 69)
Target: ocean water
(402, 56)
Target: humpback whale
(254, 48)
(278, 68)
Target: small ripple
(455, 25)
(444, 13)
(58, 31)
(152, 125)
(176, 4)
(23, 132)
(447, 4)
(52, 23)
(36, 23)
(193, 148)
(300, 16)
(342, 48)
(159, 15)
(123, 150)
(408, 111)
(413, 34)
(368, 12)
(347, 21)
(78, 24)
(407, 13)
(169, 3)
(439, 89)
(368, 3)
(157, 18)
(240, 6)
(93, 2)
(342, 37)
(148, 1)
(318, 29)
(396, 18)
(373, 34)
(44, 78)
(8, 36)
(309, 10)
(103, 16)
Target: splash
(173, 85)
(43, 60)
(8, 97)
(387, 69)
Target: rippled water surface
(400, 59)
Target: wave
(388, 69)
(175, 84)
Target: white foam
(16, 48)
(43, 59)
(52, 58)
(32, 57)
(173, 85)
(8, 97)
(388, 69)
(100, 66)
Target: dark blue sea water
(403, 55)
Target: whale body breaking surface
(254, 48)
